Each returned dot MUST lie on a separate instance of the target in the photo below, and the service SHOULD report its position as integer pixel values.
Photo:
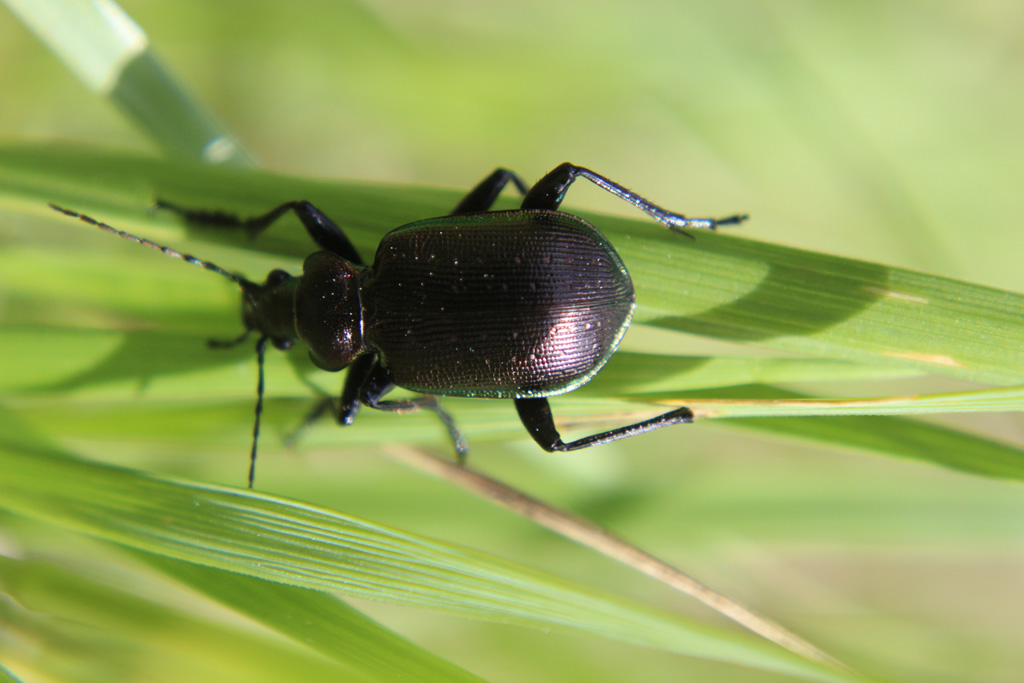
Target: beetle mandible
(523, 304)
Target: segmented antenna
(249, 290)
(246, 285)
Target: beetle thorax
(328, 312)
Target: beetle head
(270, 309)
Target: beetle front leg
(344, 411)
(320, 228)
(536, 416)
(359, 374)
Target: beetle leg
(261, 348)
(536, 416)
(322, 407)
(550, 190)
(321, 229)
(379, 383)
(359, 374)
(228, 343)
(345, 410)
(483, 196)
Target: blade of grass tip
(597, 538)
(109, 53)
(85, 624)
(312, 547)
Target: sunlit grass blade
(986, 400)
(852, 427)
(640, 374)
(892, 436)
(110, 54)
(65, 621)
(717, 285)
(320, 621)
(223, 423)
(99, 375)
(306, 546)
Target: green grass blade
(54, 287)
(987, 400)
(99, 372)
(93, 626)
(892, 436)
(306, 546)
(319, 621)
(109, 53)
(648, 374)
(717, 285)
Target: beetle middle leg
(320, 228)
(483, 196)
(378, 383)
(536, 416)
(367, 382)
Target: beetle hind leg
(536, 416)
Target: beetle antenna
(247, 286)
(261, 349)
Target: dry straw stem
(603, 541)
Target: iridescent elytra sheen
(501, 304)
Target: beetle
(521, 304)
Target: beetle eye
(276, 277)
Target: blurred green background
(890, 132)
